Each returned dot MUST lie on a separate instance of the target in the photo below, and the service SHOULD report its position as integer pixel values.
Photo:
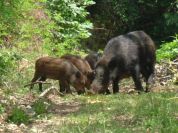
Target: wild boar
(82, 66)
(126, 55)
(92, 59)
(58, 69)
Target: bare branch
(100, 29)
(51, 89)
(37, 82)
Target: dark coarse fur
(92, 59)
(126, 55)
(82, 66)
(58, 69)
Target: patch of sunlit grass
(152, 112)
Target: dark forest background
(158, 18)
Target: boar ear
(78, 74)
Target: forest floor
(22, 111)
(156, 111)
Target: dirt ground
(59, 108)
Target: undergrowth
(124, 113)
(168, 50)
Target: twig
(174, 63)
(50, 90)
(165, 77)
(37, 82)
(7, 85)
(100, 29)
(171, 62)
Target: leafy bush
(71, 24)
(40, 107)
(18, 116)
(7, 60)
(9, 17)
(168, 50)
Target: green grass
(40, 107)
(152, 112)
(18, 116)
(2, 109)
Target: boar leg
(107, 91)
(35, 78)
(40, 84)
(79, 92)
(148, 75)
(64, 87)
(115, 85)
(135, 72)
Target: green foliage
(168, 51)
(24, 24)
(10, 12)
(2, 109)
(35, 28)
(153, 112)
(40, 107)
(18, 116)
(158, 18)
(71, 24)
(43, 24)
(7, 62)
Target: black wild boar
(82, 66)
(92, 59)
(126, 55)
(58, 69)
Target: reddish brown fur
(58, 69)
(82, 65)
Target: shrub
(18, 116)
(168, 50)
(40, 107)
(7, 62)
(71, 25)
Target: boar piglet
(58, 69)
(83, 66)
(92, 59)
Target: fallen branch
(165, 77)
(51, 89)
(37, 82)
(174, 63)
(170, 62)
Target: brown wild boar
(58, 69)
(82, 66)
